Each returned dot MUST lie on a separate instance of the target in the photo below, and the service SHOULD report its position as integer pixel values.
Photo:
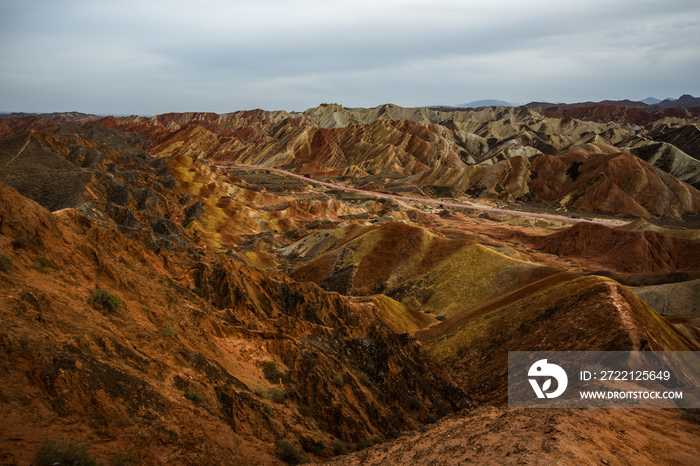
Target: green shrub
(20, 243)
(304, 411)
(43, 265)
(122, 460)
(198, 291)
(364, 379)
(691, 414)
(319, 446)
(368, 442)
(289, 453)
(5, 263)
(169, 331)
(260, 391)
(364, 443)
(105, 300)
(338, 381)
(194, 396)
(65, 453)
(367, 382)
(277, 395)
(267, 408)
(273, 374)
(340, 446)
(322, 426)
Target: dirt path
(416, 199)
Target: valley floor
(495, 436)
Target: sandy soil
(496, 436)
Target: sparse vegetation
(367, 382)
(194, 396)
(169, 331)
(341, 447)
(304, 411)
(273, 374)
(319, 446)
(289, 453)
(5, 263)
(43, 265)
(322, 426)
(20, 243)
(267, 408)
(364, 443)
(364, 379)
(277, 395)
(65, 453)
(260, 391)
(368, 442)
(120, 459)
(691, 414)
(198, 291)
(338, 381)
(105, 300)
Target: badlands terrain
(341, 285)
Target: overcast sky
(148, 57)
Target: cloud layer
(217, 55)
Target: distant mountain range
(550, 109)
(685, 101)
(487, 103)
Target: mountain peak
(486, 103)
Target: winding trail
(29, 138)
(417, 199)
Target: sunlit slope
(628, 251)
(223, 206)
(512, 154)
(556, 314)
(597, 177)
(420, 269)
(399, 317)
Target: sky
(149, 57)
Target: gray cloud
(216, 55)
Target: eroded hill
(334, 278)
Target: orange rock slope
(176, 374)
